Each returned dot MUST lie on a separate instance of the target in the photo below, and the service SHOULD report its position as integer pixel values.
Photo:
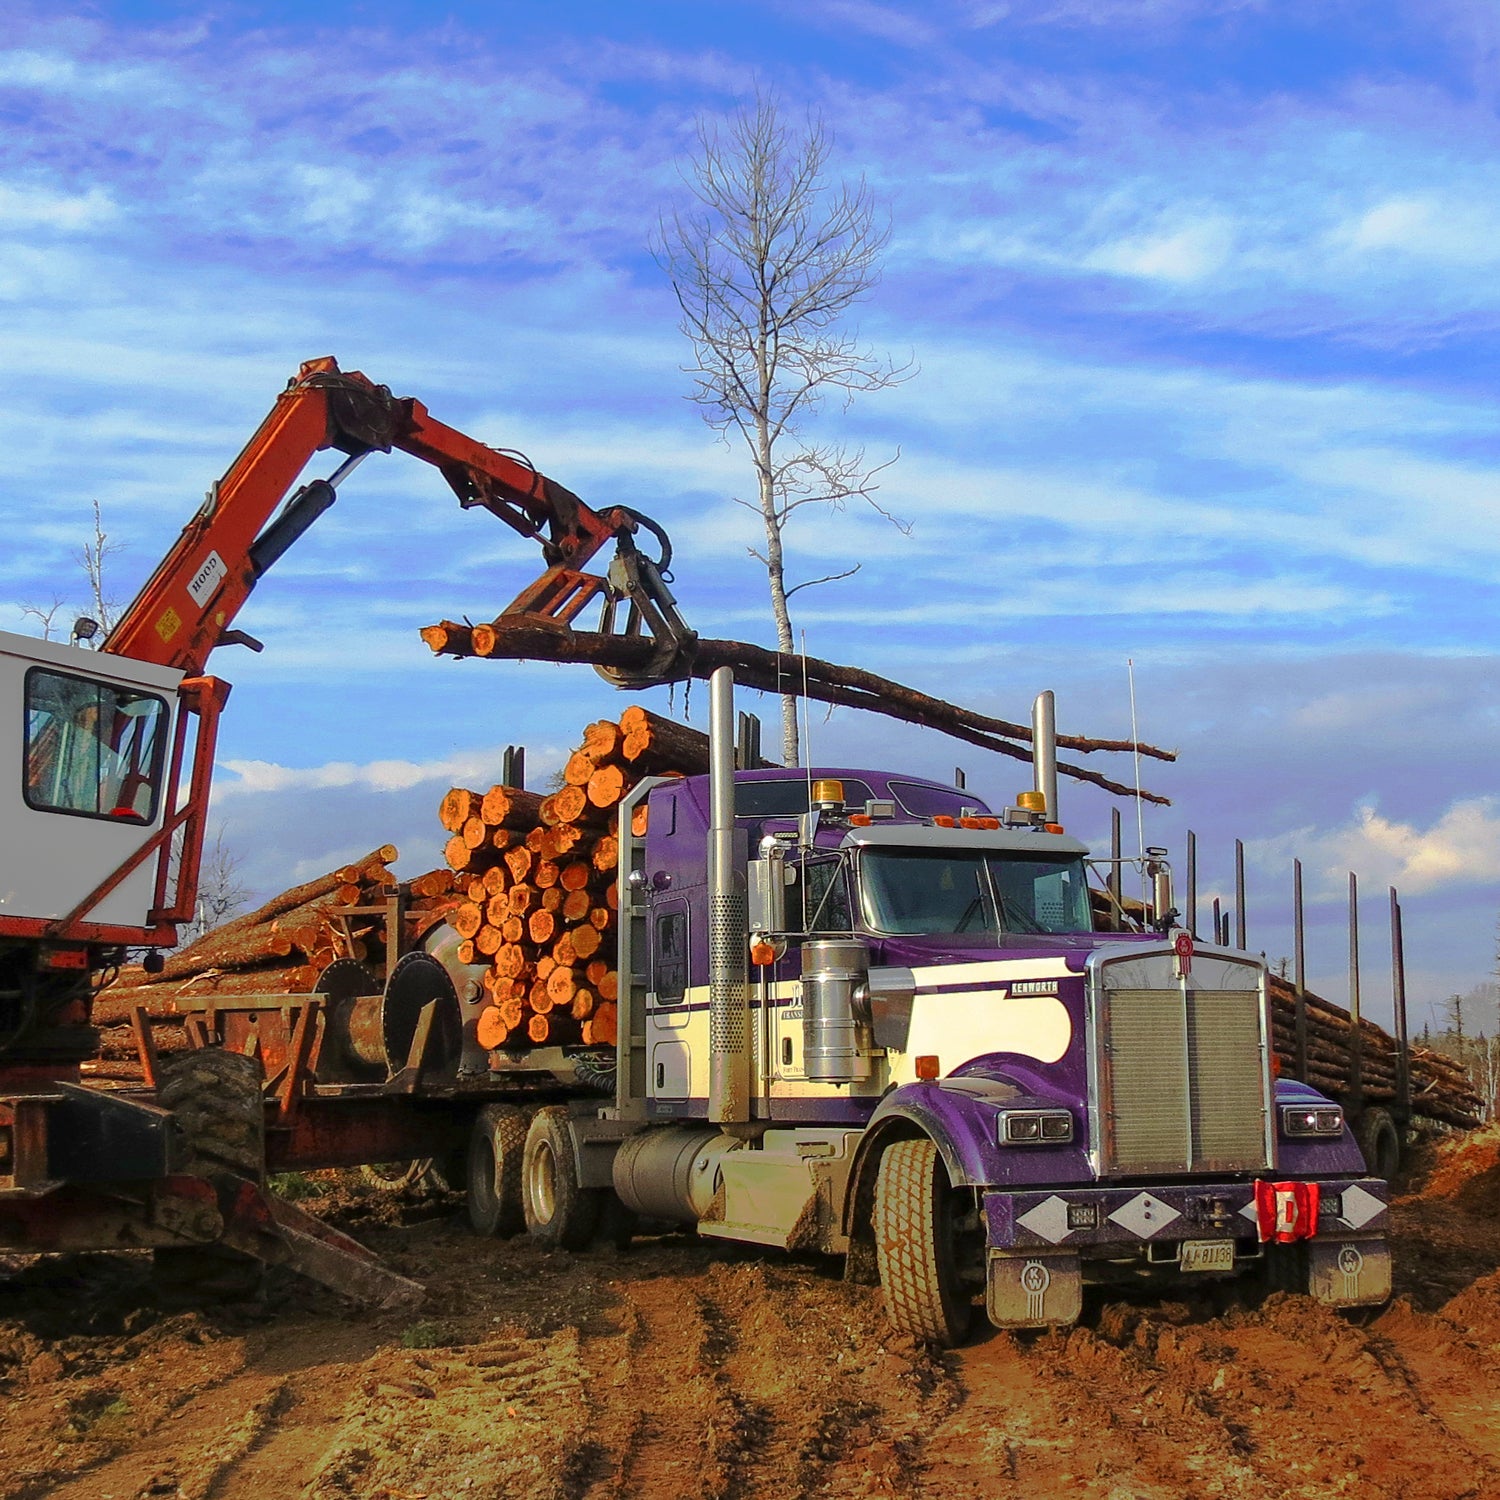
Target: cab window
(93, 748)
(669, 956)
(825, 897)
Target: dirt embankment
(685, 1369)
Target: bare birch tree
(765, 264)
(91, 558)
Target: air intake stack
(728, 932)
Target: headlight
(1035, 1127)
(1301, 1120)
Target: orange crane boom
(188, 605)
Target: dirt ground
(685, 1369)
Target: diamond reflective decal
(1358, 1207)
(1144, 1215)
(1049, 1219)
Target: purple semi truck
(862, 1014)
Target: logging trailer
(859, 1013)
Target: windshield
(912, 891)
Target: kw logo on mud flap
(1035, 1279)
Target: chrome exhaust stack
(1044, 750)
(728, 932)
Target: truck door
(669, 1073)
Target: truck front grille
(1181, 1082)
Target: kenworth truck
(862, 1014)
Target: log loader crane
(108, 757)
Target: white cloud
(1462, 848)
(25, 207)
(1190, 253)
(462, 768)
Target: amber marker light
(1052, 828)
(942, 820)
(762, 954)
(927, 1067)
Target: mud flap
(1033, 1291)
(1349, 1273)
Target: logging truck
(863, 1014)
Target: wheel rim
(544, 1184)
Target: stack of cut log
(280, 948)
(1440, 1087)
(537, 877)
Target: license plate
(1207, 1255)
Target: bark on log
(783, 673)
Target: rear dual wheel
(497, 1144)
(559, 1212)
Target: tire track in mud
(1288, 1399)
(757, 1380)
(662, 1424)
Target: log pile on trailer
(279, 948)
(1441, 1089)
(537, 879)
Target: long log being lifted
(780, 672)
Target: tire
(1379, 1143)
(914, 1245)
(497, 1146)
(424, 1175)
(215, 1097)
(559, 1213)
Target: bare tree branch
(45, 615)
(764, 264)
(812, 583)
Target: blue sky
(1203, 296)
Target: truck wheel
(915, 1210)
(497, 1144)
(215, 1097)
(1380, 1142)
(558, 1211)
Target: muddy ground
(685, 1369)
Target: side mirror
(766, 893)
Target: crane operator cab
(84, 762)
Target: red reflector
(1286, 1211)
(927, 1067)
(66, 958)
